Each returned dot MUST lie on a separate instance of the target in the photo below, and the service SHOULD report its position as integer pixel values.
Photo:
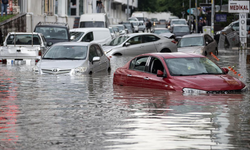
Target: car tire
(165, 50)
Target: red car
(187, 72)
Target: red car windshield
(192, 66)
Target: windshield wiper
(206, 73)
(66, 58)
(48, 58)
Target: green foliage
(3, 18)
(147, 5)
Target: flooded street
(88, 112)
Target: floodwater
(87, 112)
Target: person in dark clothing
(201, 23)
(99, 6)
(4, 4)
(149, 25)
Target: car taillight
(39, 53)
(174, 42)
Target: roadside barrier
(230, 68)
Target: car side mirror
(225, 70)
(127, 44)
(72, 37)
(49, 43)
(96, 59)
(159, 73)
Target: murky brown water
(87, 112)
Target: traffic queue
(166, 57)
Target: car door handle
(159, 43)
(146, 78)
(129, 75)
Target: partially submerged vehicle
(22, 47)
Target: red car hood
(209, 82)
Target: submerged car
(23, 47)
(139, 43)
(160, 30)
(73, 58)
(198, 43)
(186, 72)
(180, 30)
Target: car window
(138, 63)
(135, 40)
(155, 65)
(150, 38)
(92, 52)
(53, 32)
(192, 66)
(75, 36)
(159, 31)
(117, 41)
(98, 50)
(23, 39)
(191, 41)
(88, 37)
(64, 52)
(90, 24)
(181, 29)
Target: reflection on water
(169, 120)
(8, 111)
(88, 112)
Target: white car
(73, 58)
(139, 43)
(98, 35)
(24, 47)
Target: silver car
(198, 43)
(73, 58)
(139, 43)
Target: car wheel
(117, 54)
(109, 70)
(165, 50)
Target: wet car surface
(191, 73)
(88, 112)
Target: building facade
(115, 9)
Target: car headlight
(196, 91)
(244, 89)
(199, 51)
(80, 69)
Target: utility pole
(189, 22)
(212, 19)
(196, 17)
(127, 9)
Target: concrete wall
(35, 6)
